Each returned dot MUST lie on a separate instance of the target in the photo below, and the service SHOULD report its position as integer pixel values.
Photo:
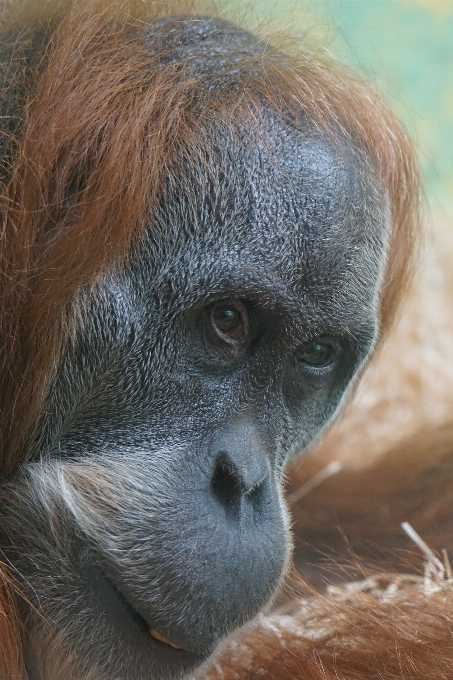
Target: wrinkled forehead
(304, 184)
(299, 204)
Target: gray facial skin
(154, 499)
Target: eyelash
(318, 374)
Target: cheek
(311, 400)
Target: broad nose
(240, 476)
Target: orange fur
(381, 628)
(11, 661)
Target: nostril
(227, 487)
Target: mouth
(132, 625)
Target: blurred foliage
(404, 48)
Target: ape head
(208, 226)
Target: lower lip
(158, 636)
(132, 623)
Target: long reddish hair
(102, 124)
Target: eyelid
(318, 371)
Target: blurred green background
(405, 49)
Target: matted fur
(102, 122)
(386, 627)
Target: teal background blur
(404, 48)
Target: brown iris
(229, 321)
(317, 353)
